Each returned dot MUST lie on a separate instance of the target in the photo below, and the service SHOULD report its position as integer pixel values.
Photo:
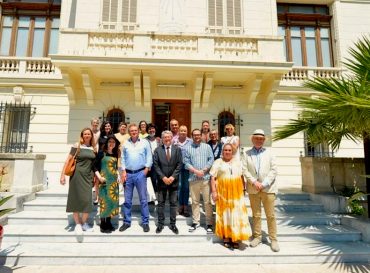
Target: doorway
(165, 110)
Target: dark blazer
(165, 168)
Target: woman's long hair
(116, 151)
(102, 129)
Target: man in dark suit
(167, 162)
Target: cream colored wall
(351, 20)
(259, 16)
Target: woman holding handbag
(79, 199)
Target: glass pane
(55, 23)
(38, 42)
(5, 41)
(22, 39)
(295, 32)
(280, 9)
(301, 9)
(311, 52)
(40, 22)
(324, 32)
(297, 51)
(309, 32)
(53, 44)
(326, 56)
(322, 10)
(24, 22)
(7, 21)
(281, 32)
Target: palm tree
(342, 109)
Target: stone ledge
(28, 156)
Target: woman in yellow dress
(232, 224)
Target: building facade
(240, 61)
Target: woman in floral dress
(227, 187)
(106, 168)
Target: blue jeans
(137, 180)
(184, 188)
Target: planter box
(321, 174)
(22, 173)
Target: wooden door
(165, 110)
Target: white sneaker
(87, 228)
(78, 230)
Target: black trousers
(162, 195)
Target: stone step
(280, 196)
(206, 252)
(281, 205)
(63, 218)
(56, 233)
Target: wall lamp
(115, 83)
(221, 86)
(178, 85)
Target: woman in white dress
(232, 139)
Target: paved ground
(287, 268)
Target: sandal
(227, 243)
(235, 245)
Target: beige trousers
(196, 188)
(268, 202)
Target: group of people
(179, 167)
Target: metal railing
(14, 127)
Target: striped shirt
(200, 157)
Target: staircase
(43, 234)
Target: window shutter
(133, 11)
(219, 13)
(230, 13)
(105, 12)
(238, 13)
(113, 10)
(211, 13)
(125, 10)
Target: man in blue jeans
(136, 160)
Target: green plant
(355, 198)
(2, 202)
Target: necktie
(168, 153)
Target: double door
(163, 111)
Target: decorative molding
(89, 86)
(207, 88)
(68, 82)
(137, 88)
(18, 93)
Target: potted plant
(3, 212)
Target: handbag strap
(77, 151)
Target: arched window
(224, 118)
(115, 116)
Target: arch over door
(115, 116)
(224, 118)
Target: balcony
(298, 75)
(28, 68)
(207, 47)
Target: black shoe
(109, 224)
(174, 229)
(209, 229)
(103, 226)
(146, 228)
(193, 227)
(124, 227)
(159, 229)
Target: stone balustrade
(298, 75)
(28, 68)
(105, 43)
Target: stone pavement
(251, 268)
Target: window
(115, 116)
(224, 118)
(306, 32)
(119, 14)
(318, 150)
(14, 122)
(26, 31)
(225, 16)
